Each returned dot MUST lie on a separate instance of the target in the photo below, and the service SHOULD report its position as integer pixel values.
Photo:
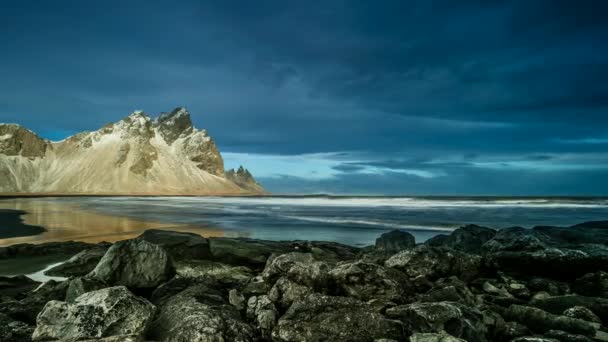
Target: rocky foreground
(477, 284)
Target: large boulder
(395, 241)
(558, 304)
(434, 263)
(200, 313)
(246, 252)
(227, 275)
(325, 318)
(535, 252)
(136, 264)
(81, 285)
(112, 311)
(592, 284)
(367, 281)
(468, 239)
(180, 245)
(301, 268)
(430, 337)
(456, 319)
(80, 264)
(541, 321)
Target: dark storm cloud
(423, 86)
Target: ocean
(356, 221)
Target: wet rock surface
(474, 285)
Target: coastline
(12, 225)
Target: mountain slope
(136, 155)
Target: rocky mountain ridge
(136, 155)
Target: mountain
(137, 155)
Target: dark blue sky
(395, 97)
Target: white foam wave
(372, 223)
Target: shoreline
(12, 225)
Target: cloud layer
(404, 97)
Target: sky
(341, 97)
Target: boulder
(298, 267)
(430, 337)
(468, 239)
(450, 289)
(261, 310)
(532, 252)
(81, 285)
(435, 263)
(456, 319)
(135, 263)
(80, 264)
(563, 336)
(246, 252)
(67, 248)
(284, 292)
(27, 309)
(110, 312)
(180, 245)
(236, 298)
(592, 284)
(17, 287)
(325, 318)
(366, 281)
(541, 321)
(229, 276)
(14, 331)
(558, 304)
(395, 241)
(200, 313)
(581, 312)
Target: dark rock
(136, 264)
(172, 125)
(246, 252)
(456, 319)
(535, 252)
(67, 248)
(558, 304)
(365, 281)
(14, 331)
(450, 290)
(200, 314)
(430, 337)
(514, 330)
(236, 299)
(27, 309)
(17, 287)
(541, 321)
(328, 251)
(553, 287)
(229, 276)
(584, 233)
(80, 264)
(581, 312)
(468, 239)
(284, 292)
(300, 268)
(81, 285)
(181, 246)
(435, 263)
(395, 241)
(109, 312)
(592, 284)
(563, 336)
(325, 318)
(262, 311)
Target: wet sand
(65, 221)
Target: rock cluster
(476, 284)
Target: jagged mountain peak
(137, 154)
(243, 178)
(174, 124)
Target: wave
(382, 224)
(397, 202)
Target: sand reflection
(65, 221)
